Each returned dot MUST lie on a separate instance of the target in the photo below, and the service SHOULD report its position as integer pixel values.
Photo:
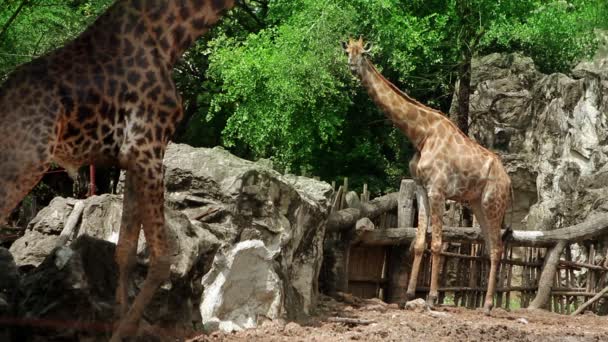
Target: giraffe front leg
(495, 247)
(437, 206)
(419, 243)
(23, 161)
(495, 256)
(150, 204)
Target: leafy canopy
(271, 80)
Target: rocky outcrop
(240, 201)
(270, 227)
(552, 134)
(9, 285)
(242, 284)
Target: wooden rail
(544, 274)
(589, 229)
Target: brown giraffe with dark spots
(107, 98)
(447, 165)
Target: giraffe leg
(419, 243)
(150, 204)
(490, 225)
(23, 161)
(127, 243)
(437, 206)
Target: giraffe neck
(413, 118)
(168, 26)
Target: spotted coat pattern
(447, 165)
(106, 98)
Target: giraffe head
(356, 51)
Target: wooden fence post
(546, 277)
(398, 256)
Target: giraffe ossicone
(447, 165)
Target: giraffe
(447, 165)
(107, 98)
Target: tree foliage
(30, 28)
(272, 81)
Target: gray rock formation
(9, 285)
(213, 199)
(241, 200)
(552, 133)
(242, 285)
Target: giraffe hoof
(430, 302)
(487, 309)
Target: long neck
(169, 26)
(413, 118)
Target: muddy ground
(373, 320)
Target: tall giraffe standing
(107, 98)
(447, 165)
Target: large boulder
(243, 284)
(242, 200)
(213, 199)
(552, 133)
(9, 285)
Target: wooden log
(478, 288)
(398, 256)
(348, 320)
(574, 264)
(590, 301)
(590, 228)
(70, 224)
(337, 201)
(344, 219)
(547, 276)
(509, 277)
(345, 187)
(578, 293)
(485, 257)
(405, 203)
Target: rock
(364, 225)
(551, 132)
(213, 199)
(73, 288)
(352, 200)
(101, 220)
(285, 212)
(418, 305)
(292, 328)
(241, 286)
(42, 233)
(9, 284)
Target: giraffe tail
(508, 234)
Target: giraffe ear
(344, 45)
(367, 48)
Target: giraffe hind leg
(490, 225)
(126, 248)
(419, 244)
(150, 204)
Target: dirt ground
(373, 320)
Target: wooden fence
(367, 248)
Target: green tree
(30, 28)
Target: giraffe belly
(71, 158)
(70, 165)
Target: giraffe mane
(399, 91)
